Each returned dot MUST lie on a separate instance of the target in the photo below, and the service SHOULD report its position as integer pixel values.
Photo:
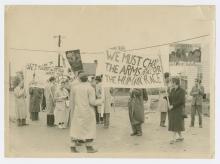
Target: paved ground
(39, 140)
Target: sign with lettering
(132, 70)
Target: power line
(165, 44)
(100, 52)
(136, 49)
(37, 50)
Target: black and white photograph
(113, 81)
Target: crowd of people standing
(83, 103)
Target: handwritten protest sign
(43, 72)
(132, 70)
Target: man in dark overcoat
(136, 110)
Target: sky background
(97, 28)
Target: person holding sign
(176, 109)
(136, 109)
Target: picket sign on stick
(168, 101)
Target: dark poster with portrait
(74, 59)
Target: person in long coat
(136, 109)
(50, 102)
(83, 124)
(61, 111)
(93, 84)
(163, 111)
(100, 94)
(176, 109)
(20, 105)
(163, 107)
(35, 101)
(107, 106)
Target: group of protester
(172, 102)
(83, 103)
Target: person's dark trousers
(106, 119)
(163, 116)
(195, 108)
(50, 120)
(97, 115)
(134, 130)
(23, 122)
(34, 116)
(137, 129)
(19, 122)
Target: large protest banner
(132, 69)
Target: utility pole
(10, 88)
(59, 45)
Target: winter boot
(73, 149)
(90, 149)
(24, 122)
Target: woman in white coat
(61, 111)
(20, 105)
(83, 124)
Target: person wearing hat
(83, 123)
(197, 93)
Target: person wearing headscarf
(83, 124)
(20, 105)
(61, 111)
(136, 109)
